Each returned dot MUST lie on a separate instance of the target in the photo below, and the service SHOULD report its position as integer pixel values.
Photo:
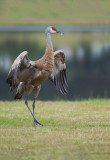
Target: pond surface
(87, 56)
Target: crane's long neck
(48, 40)
(49, 54)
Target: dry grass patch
(72, 130)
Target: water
(77, 29)
(87, 56)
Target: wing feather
(64, 86)
(58, 76)
(19, 70)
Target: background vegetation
(63, 12)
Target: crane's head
(52, 30)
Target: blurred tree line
(87, 72)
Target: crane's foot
(36, 122)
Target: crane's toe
(36, 122)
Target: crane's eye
(54, 28)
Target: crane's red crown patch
(54, 28)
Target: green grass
(72, 130)
(45, 12)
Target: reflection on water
(87, 55)
(5, 62)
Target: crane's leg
(34, 110)
(31, 111)
(36, 92)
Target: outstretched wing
(19, 70)
(58, 76)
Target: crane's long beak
(59, 32)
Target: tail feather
(20, 91)
(10, 81)
(18, 96)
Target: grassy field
(45, 12)
(77, 130)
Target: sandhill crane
(27, 76)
